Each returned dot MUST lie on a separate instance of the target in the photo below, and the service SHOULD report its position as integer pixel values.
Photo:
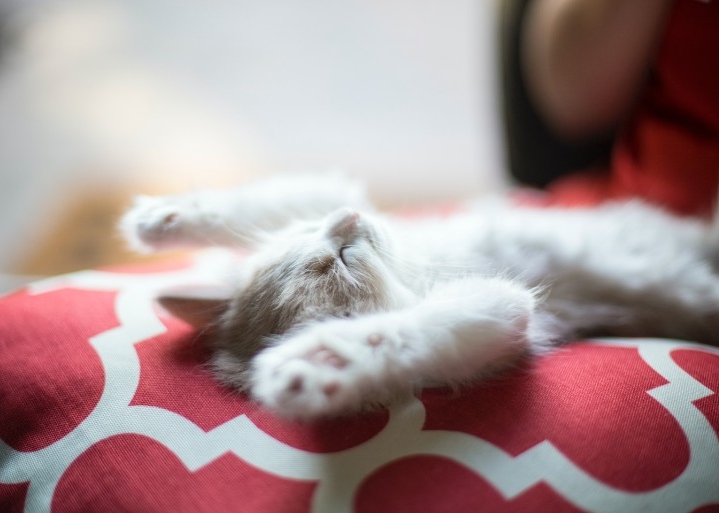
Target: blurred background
(103, 99)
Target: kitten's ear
(200, 307)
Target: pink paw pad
(170, 218)
(375, 339)
(326, 356)
(331, 389)
(295, 385)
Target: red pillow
(105, 406)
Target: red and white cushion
(105, 406)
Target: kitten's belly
(626, 241)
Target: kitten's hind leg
(236, 217)
(457, 334)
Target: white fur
(451, 336)
(461, 296)
(236, 216)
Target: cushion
(105, 405)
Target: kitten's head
(340, 266)
(311, 270)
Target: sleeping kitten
(339, 307)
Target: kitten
(339, 307)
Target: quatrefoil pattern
(105, 405)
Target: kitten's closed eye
(343, 257)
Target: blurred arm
(585, 59)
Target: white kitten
(339, 308)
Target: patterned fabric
(105, 406)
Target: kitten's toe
(304, 380)
(149, 222)
(163, 222)
(298, 389)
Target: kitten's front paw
(317, 373)
(156, 223)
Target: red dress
(668, 150)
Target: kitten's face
(337, 267)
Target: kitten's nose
(343, 222)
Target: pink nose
(342, 222)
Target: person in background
(648, 67)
